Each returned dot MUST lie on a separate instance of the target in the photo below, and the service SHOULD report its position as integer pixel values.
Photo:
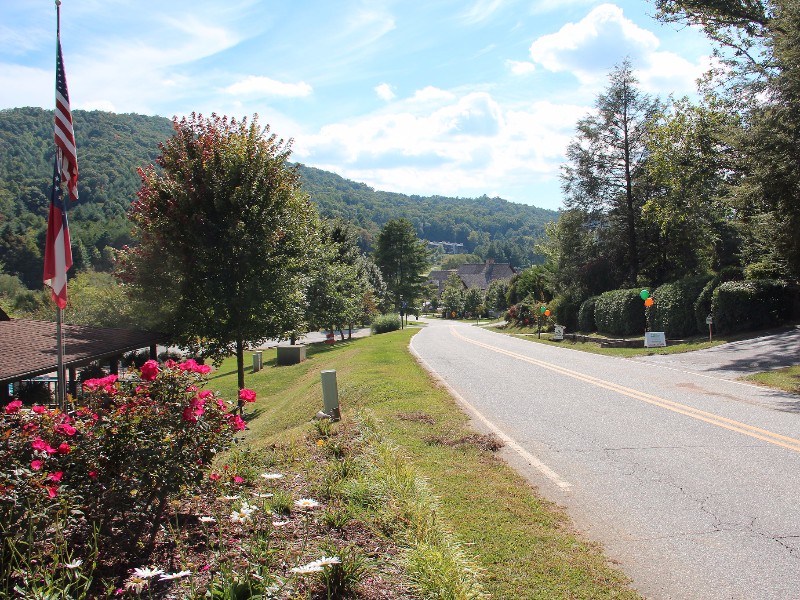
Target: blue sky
(456, 98)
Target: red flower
(56, 477)
(238, 479)
(64, 448)
(36, 465)
(13, 407)
(188, 415)
(92, 474)
(247, 395)
(235, 421)
(52, 491)
(38, 409)
(214, 476)
(150, 370)
(66, 429)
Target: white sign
(558, 333)
(709, 320)
(654, 339)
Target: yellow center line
(695, 413)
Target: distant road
(690, 480)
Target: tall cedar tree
(607, 157)
(403, 259)
(225, 238)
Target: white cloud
(545, 6)
(385, 92)
(432, 94)
(481, 10)
(259, 86)
(590, 48)
(518, 67)
(468, 145)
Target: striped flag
(64, 133)
(57, 249)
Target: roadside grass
(463, 517)
(688, 345)
(786, 379)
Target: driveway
(769, 350)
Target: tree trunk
(240, 368)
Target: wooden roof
(28, 348)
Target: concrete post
(330, 394)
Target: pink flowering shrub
(117, 459)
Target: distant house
(474, 275)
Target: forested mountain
(112, 146)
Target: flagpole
(60, 387)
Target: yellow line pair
(695, 413)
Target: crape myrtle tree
(604, 175)
(403, 260)
(225, 238)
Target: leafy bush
(586, 321)
(386, 323)
(674, 308)
(746, 305)
(565, 311)
(702, 306)
(620, 312)
(111, 465)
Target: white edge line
(508, 441)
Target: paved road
(689, 480)
(768, 350)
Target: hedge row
(680, 308)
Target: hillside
(112, 146)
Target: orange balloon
(547, 313)
(649, 302)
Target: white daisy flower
(327, 561)
(208, 520)
(73, 564)
(307, 569)
(280, 523)
(272, 475)
(147, 573)
(178, 575)
(304, 503)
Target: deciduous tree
(225, 238)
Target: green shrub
(746, 305)
(586, 315)
(386, 323)
(702, 306)
(565, 311)
(673, 308)
(620, 312)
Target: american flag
(57, 249)
(64, 133)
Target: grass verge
(689, 345)
(487, 519)
(786, 379)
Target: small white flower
(306, 503)
(208, 520)
(272, 475)
(243, 514)
(307, 569)
(327, 561)
(74, 564)
(178, 575)
(280, 523)
(229, 498)
(265, 495)
(147, 573)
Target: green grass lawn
(688, 345)
(523, 545)
(787, 379)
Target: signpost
(709, 322)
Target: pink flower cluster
(192, 365)
(149, 370)
(105, 384)
(247, 395)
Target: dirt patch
(417, 417)
(489, 442)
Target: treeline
(657, 191)
(111, 147)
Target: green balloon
(542, 309)
(644, 294)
